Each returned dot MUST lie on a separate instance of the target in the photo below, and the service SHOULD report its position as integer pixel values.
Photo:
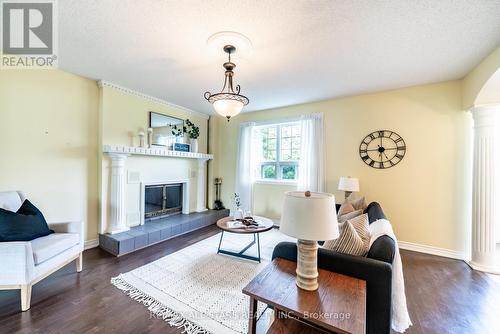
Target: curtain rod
(282, 120)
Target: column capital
(118, 156)
(118, 160)
(485, 116)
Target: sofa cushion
(345, 208)
(51, 245)
(353, 239)
(358, 204)
(361, 225)
(26, 224)
(349, 215)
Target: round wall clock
(382, 149)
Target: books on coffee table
(238, 224)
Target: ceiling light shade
(229, 102)
(228, 107)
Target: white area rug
(197, 289)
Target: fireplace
(161, 200)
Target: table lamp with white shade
(309, 217)
(348, 185)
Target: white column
(118, 221)
(484, 188)
(201, 187)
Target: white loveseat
(24, 263)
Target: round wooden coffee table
(266, 223)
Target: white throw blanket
(400, 317)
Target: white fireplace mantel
(118, 156)
(154, 151)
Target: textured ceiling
(302, 50)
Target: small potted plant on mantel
(193, 132)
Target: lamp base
(307, 265)
(347, 194)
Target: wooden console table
(339, 305)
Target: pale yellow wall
(49, 130)
(122, 116)
(125, 114)
(474, 82)
(269, 198)
(48, 142)
(426, 196)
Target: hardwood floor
(444, 296)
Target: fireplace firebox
(162, 200)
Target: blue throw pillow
(26, 224)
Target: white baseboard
(431, 250)
(486, 269)
(91, 244)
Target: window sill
(277, 182)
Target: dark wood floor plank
(444, 296)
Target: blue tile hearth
(157, 230)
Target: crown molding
(103, 83)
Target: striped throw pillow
(358, 204)
(360, 224)
(345, 208)
(354, 238)
(349, 216)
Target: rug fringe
(157, 308)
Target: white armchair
(24, 263)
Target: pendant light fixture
(229, 102)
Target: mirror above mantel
(162, 126)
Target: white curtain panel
(247, 164)
(312, 154)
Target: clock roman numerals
(382, 149)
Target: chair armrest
(16, 263)
(377, 274)
(69, 227)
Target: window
(280, 151)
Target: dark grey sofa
(375, 269)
